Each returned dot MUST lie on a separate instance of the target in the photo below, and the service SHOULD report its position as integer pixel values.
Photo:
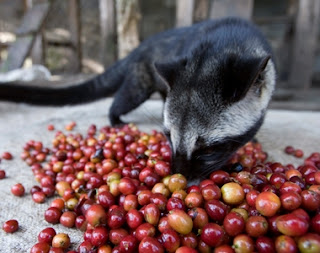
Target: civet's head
(214, 106)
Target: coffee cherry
(171, 240)
(256, 226)
(99, 236)
(46, 235)
(18, 190)
(61, 240)
(52, 215)
(289, 150)
(243, 243)
(115, 186)
(134, 218)
(216, 210)
(292, 225)
(145, 229)
(10, 226)
(284, 244)
(39, 197)
(68, 219)
(268, 203)
(2, 174)
(290, 201)
(265, 244)
(7, 156)
(315, 223)
(128, 244)
(298, 153)
(234, 224)
(309, 242)
(193, 199)
(232, 193)
(150, 245)
(40, 247)
(50, 127)
(151, 214)
(212, 234)
(96, 215)
(116, 235)
(199, 217)
(180, 221)
(177, 182)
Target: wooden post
(201, 10)
(26, 34)
(304, 44)
(27, 4)
(17, 53)
(108, 31)
(75, 32)
(128, 17)
(38, 49)
(224, 8)
(285, 49)
(184, 12)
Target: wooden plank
(38, 50)
(108, 31)
(58, 38)
(304, 44)
(128, 17)
(283, 19)
(33, 19)
(27, 4)
(284, 50)
(30, 28)
(184, 12)
(17, 53)
(75, 32)
(201, 10)
(239, 8)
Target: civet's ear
(169, 70)
(240, 75)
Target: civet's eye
(167, 133)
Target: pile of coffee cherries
(115, 185)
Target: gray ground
(20, 123)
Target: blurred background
(75, 39)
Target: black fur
(200, 71)
(135, 78)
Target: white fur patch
(185, 143)
(234, 120)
